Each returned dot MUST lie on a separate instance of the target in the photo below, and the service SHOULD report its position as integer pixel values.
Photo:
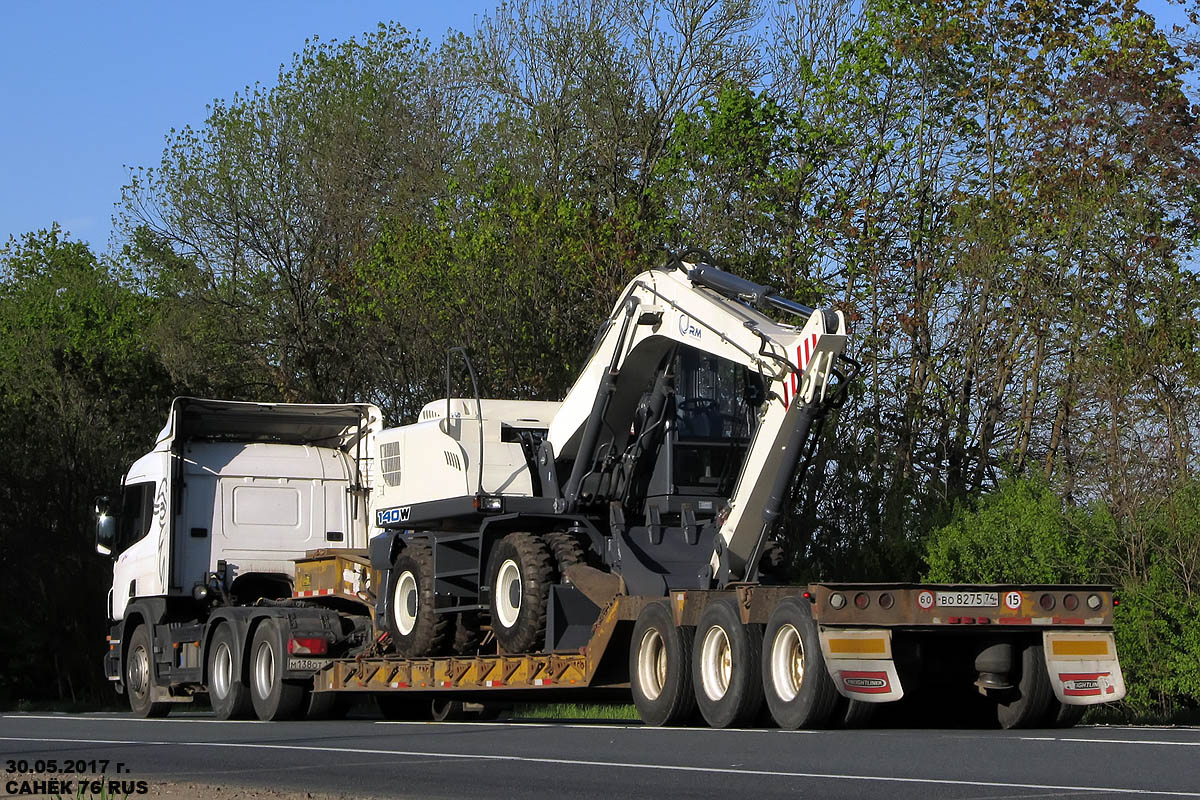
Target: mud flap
(860, 663)
(1083, 667)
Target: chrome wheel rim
(716, 663)
(508, 593)
(787, 662)
(652, 664)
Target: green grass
(575, 711)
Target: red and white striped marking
(314, 593)
(804, 354)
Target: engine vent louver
(452, 460)
(389, 457)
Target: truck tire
(228, 692)
(139, 676)
(796, 682)
(853, 713)
(417, 629)
(520, 572)
(726, 667)
(1029, 703)
(660, 668)
(273, 697)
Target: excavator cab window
(715, 401)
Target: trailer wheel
(1061, 715)
(520, 572)
(417, 629)
(1028, 705)
(726, 667)
(274, 698)
(327, 705)
(660, 663)
(445, 710)
(139, 676)
(227, 691)
(853, 713)
(796, 682)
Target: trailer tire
(417, 629)
(520, 572)
(139, 676)
(443, 709)
(796, 682)
(1029, 703)
(1061, 715)
(273, 697)
(228, 692)
(854, 713)
(726, 667)
(327, 705)
(660, 668)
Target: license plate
(312, 664)
(968, 599)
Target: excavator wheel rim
(508, 583)
(652, 664)
(406, 602)
(716, 663)
(787, 662)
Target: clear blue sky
(90, 87)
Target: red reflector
(308, 646)
(984, 621)
(807, 596)
(968, 620)
(953, 620)
(1116, 602)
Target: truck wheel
(227, 692)
(796, 682)
(274, 698)
(139, 676)
(1028, 704)
(660, 659)
(417, 629)
(726, 667)
(854, 713)
(520, 572)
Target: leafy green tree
(81, 394)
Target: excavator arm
(698, 306)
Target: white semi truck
(283, 557)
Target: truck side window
(137, 512)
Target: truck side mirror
(106, 527)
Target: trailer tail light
(886, 600)
(308, 646)
(862, 600)
(1046, 601)
(1070, 602)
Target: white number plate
(313, 664)
(968, 599)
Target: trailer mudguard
(1083, 667)
(861, 664)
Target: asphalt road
(522, 759)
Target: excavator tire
(520, 573)
(726, 668)
(795, 680)
(567, 550)
(1028, 705)
(417, 629)
(468, 635)
(660, 672)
